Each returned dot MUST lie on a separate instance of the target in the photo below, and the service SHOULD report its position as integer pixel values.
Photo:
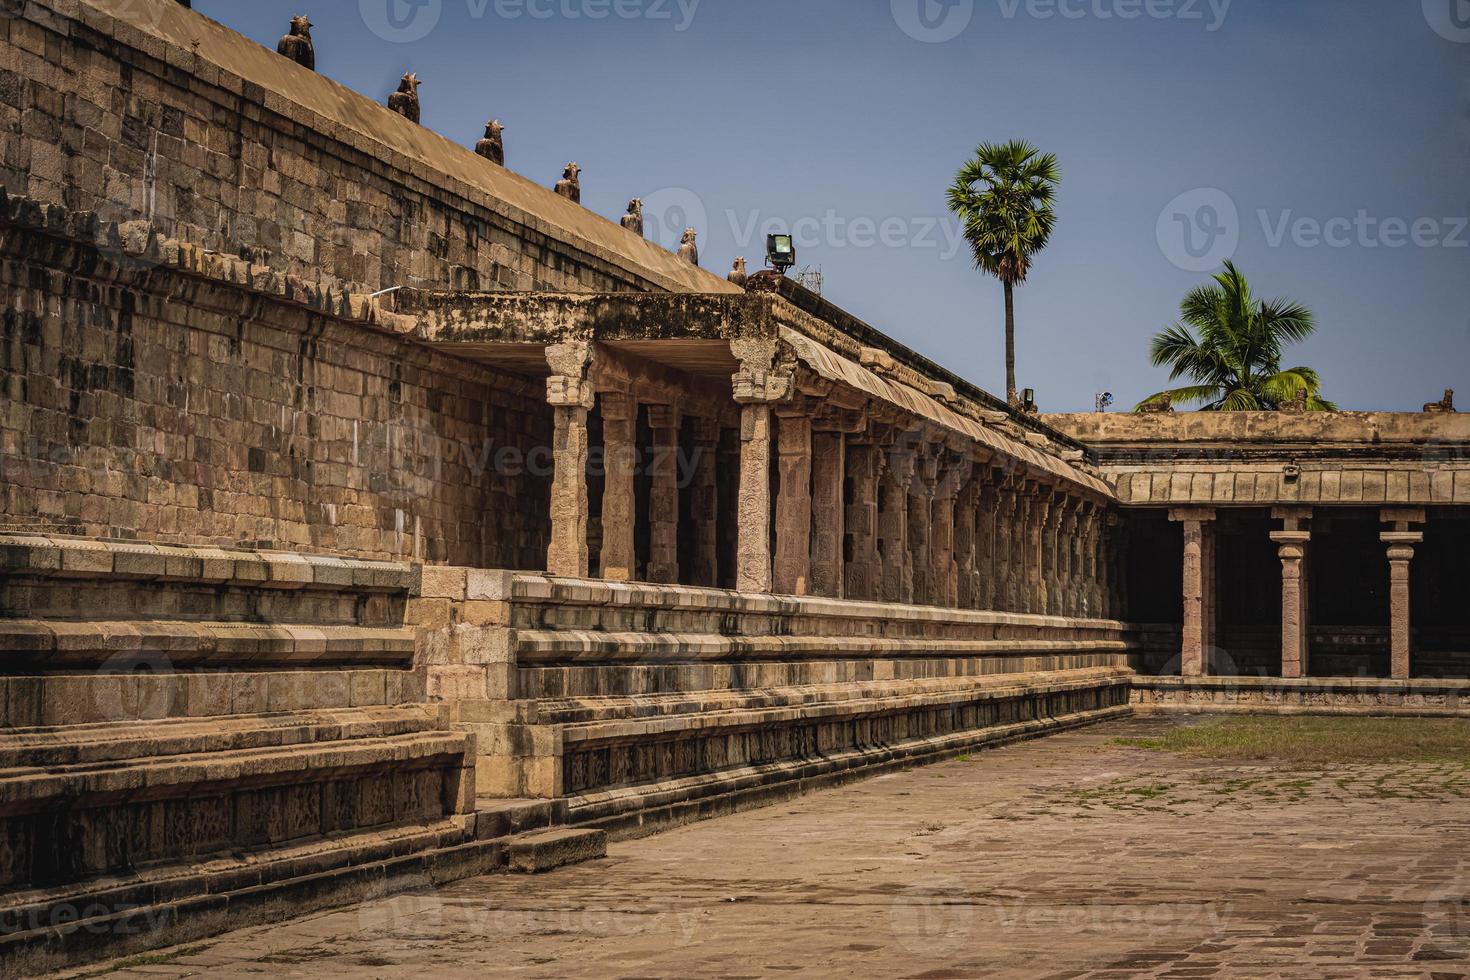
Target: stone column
(1008, 538)
(1192, 652)
(1069, 577)
(663, 496)
(897, 583)
(756, 387)
(829, 476)
(1401, 542)
(702, 462)
(863, 571)
(619, 510)
(1038, 507)
(953, 475)
(1292, 548)
(571, 396)
(987, 559)
(921, 529)
(966, 544)
(794, 504)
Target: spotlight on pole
(780, 253)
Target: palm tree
(1003, 197)
(1234, 359)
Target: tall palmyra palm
(1003, 198)
(1230, 345)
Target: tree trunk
(1012, 392)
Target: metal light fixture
(780, 253)
(1028, 399)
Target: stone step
(82, 745)
(496, 818)
(546, 850)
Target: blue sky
(1325, 144)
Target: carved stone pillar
(1401, 542)
(701, 460)
(1292, 548)
(1401, 637)
(756, 387)
(897, 583)
(571, 396)
(1093, 573)
(1038, 507)
(863, 471)
(794, 504)
(619, 510)
(1193, 648)
(921, 515)
(966, 544)
(953, 475)
(663, 495)
(1068, 576)
(829, 476)
(987, 557)
(1008, 550)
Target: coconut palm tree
(1229, 344)
(1003, 198)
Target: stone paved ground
(1066, 857)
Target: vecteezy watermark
(1200, 229)
(407, 21)
(1211, 13)
(933, 21)
(1449, 18)
(937, 21)
(668, 212)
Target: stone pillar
(1401, 637)
(1292, 548)
(663, 496)
(1401, 542)
(1008, 537)
(1070, 584)
(1097, 572)
(702, 462)
(1038, 507)
(897, 583)
(619, 510)
(571, 396)
(953, 474)
(1192, 652)
(987, 559)
(794, 504)
(921, 520)
(863, 571)
(757, 386)
(966, 544)
(829, 477)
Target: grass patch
(146, 959)
(1317, 741)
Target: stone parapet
(1310, 695)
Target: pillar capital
(1192, 515)
(1402, 539)
(1402, 517)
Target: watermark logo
(667, 212)
(1449, 18)
(933, 917)
(1210, 13)
(933, 21)
(401, 21)
(1199, 230)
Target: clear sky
(1325, 144)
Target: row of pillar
(866, 509)
(1293, 541)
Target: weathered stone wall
(165, 398)
(142, 109)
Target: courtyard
(1150, 847)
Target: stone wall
(143, 109)
(152, 391)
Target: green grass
(146, 959)
(1317, 741)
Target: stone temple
(372, 513)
